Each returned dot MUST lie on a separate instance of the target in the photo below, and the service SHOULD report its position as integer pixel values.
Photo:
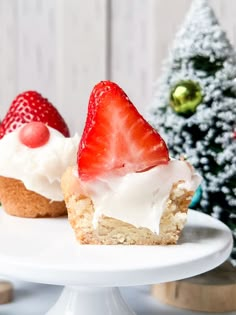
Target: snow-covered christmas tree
(195, 109)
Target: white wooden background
(63, 47)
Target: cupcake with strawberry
(35, 150)
(125, 189)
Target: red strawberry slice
(116, 138)
(31, 106)
(1, 130)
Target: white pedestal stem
(90, 301)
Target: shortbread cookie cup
(18, 201)
(111, 231)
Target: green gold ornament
(185, 97)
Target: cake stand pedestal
(45, 251)
(90, 301)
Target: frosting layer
(139, 198)
(40, 169)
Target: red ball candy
(34, 134)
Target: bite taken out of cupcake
(36, 148)
(125, 189)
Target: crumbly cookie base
(111, 231)
(18, 201)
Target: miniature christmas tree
(195, 109)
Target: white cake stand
(45, 251)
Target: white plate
(45, 250)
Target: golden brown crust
(111, 231)
(18, 201)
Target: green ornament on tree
(185, 97)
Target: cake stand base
(90, 273)
(90, 300)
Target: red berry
(34, 134)
(116, 138)
(2, 132)
(31, 106)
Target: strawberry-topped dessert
(125, 189)
(35, 150)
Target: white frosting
(139, 198)
(40, 169)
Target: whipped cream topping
(40, 169)
(139, 198)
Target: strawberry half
(31, 106)
(116, 138)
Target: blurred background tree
(195, 109)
